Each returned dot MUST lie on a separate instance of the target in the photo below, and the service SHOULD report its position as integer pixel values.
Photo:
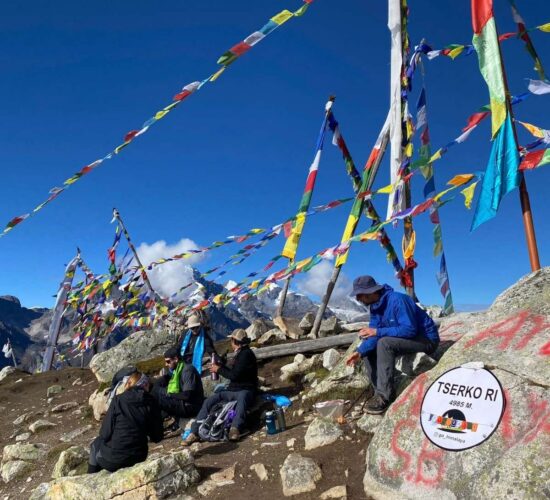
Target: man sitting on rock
(397, 326)
(243, 377)
(179, 393)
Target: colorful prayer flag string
(236, 51)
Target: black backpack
(215, 427)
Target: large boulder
(158, 477)
(343, 382)
(71, 462)
(299, 475)
(306, 323)
(139, 346)
(289, 326)
(258, 328)
(7, 370)
(19, 459)
(300, 366)
(512, 339)
(98, 400)
(330, 326)
(272, 336)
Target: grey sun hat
(365, 284)
(193, 321)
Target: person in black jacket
(132, 417)
(243, 377)
(179, 393)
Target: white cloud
(315, 282)
(168, 278)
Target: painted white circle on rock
(462, 408)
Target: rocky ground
(50, 419)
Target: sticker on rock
(462, 408)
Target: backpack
(215, 427)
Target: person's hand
(367, 332)
(353, 359)
(214, 368)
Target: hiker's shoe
(234, 434)
(376, 405)
(189, 440)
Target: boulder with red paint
(512, 340)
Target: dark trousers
(96, 462)
(172, 406)
(380, 363)
(245, 399)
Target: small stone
(321, 431)
(78, 381)
(40, 425)
(299, 475)
(254, 453)
(7, 370)
(53, 389)
(21, 419)
(64, 407)
(206, 488)
(29, 452)
(331, 358)
(307, 322)
(290, 443)
(71, 436)
(260, 471)
(369, 423)
(22, 437)
(224, 475)
(338, 492)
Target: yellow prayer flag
(282, 17)
(460, 179)
(408, 251)
(498, 115)
(301, 11)
(536, 131)
(435, 156)
(217, 74)
(351, 224)
(291, 245)
(217, 299)
(443, 193)
(409, 150)
(468, 194)
(254, 284)
(456, 52)
(257, 231)
(544, 27)
(385, 190)
(160, 114)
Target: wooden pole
(116, 215)
(282, 296)
(336, 270)
(527, 215)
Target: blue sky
(235, 155)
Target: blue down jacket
(397, 315)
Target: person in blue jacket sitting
(397, 326)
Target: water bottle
(281, 422)
(213, 376)
(270, 426)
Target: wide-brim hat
(239, 335)
(193, 321)
(365, 285)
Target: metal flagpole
(116, 215)
(304, 204)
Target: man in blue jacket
(397, 326)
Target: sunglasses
(167, 361)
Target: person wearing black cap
(179, 393)
(397, 326)
(243, 377)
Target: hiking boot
(234, 434)
(189, 440)
(376, 405)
